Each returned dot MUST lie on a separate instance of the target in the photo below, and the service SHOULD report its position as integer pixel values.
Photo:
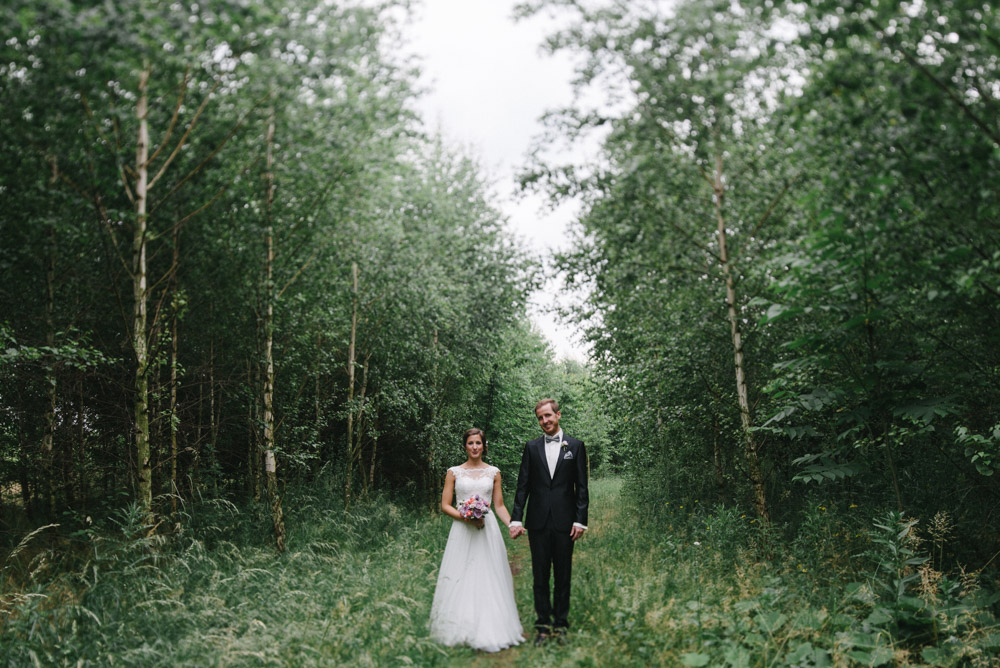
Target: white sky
(489, 85)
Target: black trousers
(551, 553)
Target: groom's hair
(555, 405)
(473, 432)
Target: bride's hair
(473, 432)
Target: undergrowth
(671, 584)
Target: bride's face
(474, 446)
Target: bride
(474, 599)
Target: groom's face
(548, 419)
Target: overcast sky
(490, 83)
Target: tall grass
(676, 584)
(351, 590)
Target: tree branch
(183, 140)
(173, 119)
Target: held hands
(575, 533)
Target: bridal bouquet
(475, 507)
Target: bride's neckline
(473, 468)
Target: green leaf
(737, 657)
(937, 656)
(695, 660)
(771, 621)
(878, 617)
(879, 656)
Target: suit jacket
(558, 500)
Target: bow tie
(552, 439)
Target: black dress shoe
(559, 635)
(541, 639)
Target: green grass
(674, 585)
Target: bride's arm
(448, 496)
(498, 506)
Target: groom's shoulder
(572, 441)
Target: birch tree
(692, 179)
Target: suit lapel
(540, 449)
(559, 457)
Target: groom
(553, 476)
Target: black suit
(556, 503)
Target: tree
(694, 181)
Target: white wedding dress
(474, 599)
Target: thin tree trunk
(733, 311)
(81, 455)
(48, 438)
(213, 429)
(23, 475)
(432, 419)
(351, 348)
(174, 486)
(254, 437)
(199, 443)
(317, 404)
(371, 470)
(140, 296)
(358, 449)
(720, 480)
(270, 462)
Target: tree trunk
(371, 472)
(79, 491)
(174, 486)
(270, 463)
(140, 296)
(213, 428)
(358, 449)
(733, 310)
(48, 438)
(351, 348)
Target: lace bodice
(473, 481)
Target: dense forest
(239, 275)
(790, 252)
(233, 258)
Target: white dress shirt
(552, 453)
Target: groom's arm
(582, 492)
(521, 495)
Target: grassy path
(611, 565)
(351, 590)
(356, 590)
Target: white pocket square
(568, 455)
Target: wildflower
(853, 505)
(697, 544)
(822, 508)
